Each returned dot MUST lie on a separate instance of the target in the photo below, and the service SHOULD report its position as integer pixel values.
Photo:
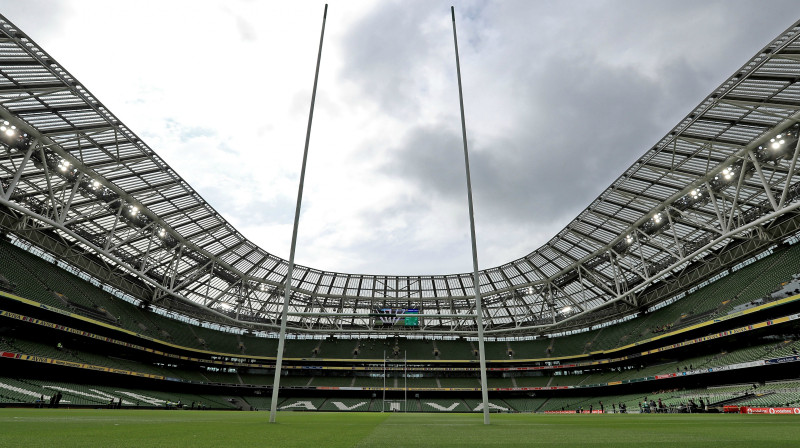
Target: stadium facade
(681, 275)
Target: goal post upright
(476, 279)
(288, 285)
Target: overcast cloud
(560, 97)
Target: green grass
(162, 428)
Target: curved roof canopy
(721, 185)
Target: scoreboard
(407, 317)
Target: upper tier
(39, 280)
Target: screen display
(396, 316)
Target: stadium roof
(720, 186)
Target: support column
(18, 174)
(66, 206)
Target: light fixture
(727, 173)
(566, 309)
(629, 239)
(95, 185)
(657, 218)
(134, 210)
(63, 165)
(695, 193)
(162, 233)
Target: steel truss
(77, 182)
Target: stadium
(132, 313)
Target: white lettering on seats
(439, 407)
(302, 405)
(342, 407)
(491, 406)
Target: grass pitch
(161, 428)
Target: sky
(560, 97)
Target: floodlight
(727, 173)
(657, 218)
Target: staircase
(734, 400)
(240, 403)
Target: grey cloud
(382, 50)
(569, 143)
(246, 29)
(431, 158)
(579, 118)
(48, 16)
